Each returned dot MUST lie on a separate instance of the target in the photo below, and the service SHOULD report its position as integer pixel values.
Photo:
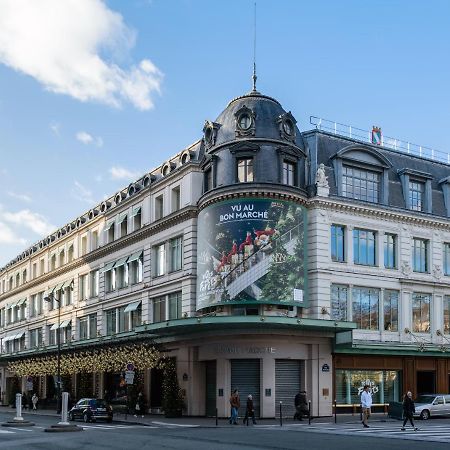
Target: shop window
(446, 258)
(447, 314)
(176, 254)
(244, 170)
(159, 309)
(364, 247)
(339, 299)
(420, 255)
(175, 305)
(421, 312)
(390, 251)
(338, 243)
(365, 307)
(390, 310)
(385, 386)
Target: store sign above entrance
(252, 251)
(235, 350)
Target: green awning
(136, 211)
(65, 323)
(132, 306)
(135, 256)
(121, 262)
(122, 217)
(19, 335)
(109, 225)
(54, 327)
(108, 267)
(21, 302)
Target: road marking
(19, 429)
(6, 431)
(167, 424)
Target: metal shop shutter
(288, 382)
(245, 377)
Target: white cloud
(84, 137)
(81, 193)
(7, 236)
(120, 173)
(87, 139)
(25, 218)
(62, 45)
(54, 126)
(22, 197)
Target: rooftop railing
(386, 141)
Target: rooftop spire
(254, 77)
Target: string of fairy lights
(113, 359)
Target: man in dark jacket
(408, 410)
(301, 406)
(250, 410)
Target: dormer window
(416, 190)
(288, 127)
(245, 122)
(286, 123)
(210, 133)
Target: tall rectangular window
(339, 302)
(416, 195)
(360, 184)
(337, 243)
(68, 295)
(390, 251)
(421, 312)
(176, 199)
(137, 218)
(289, 173)
(365, 307)
(446, 258)
(420, 255)
(92, 326)
(364, 247)
(33, 271)
(208, 180)
(84, 245)
(32, 309)
(123, 223)
(160, 254)
(159, 309)
(110, 230)
(159, 207)
(111, 322)
(136, 317)
(83, 328)
(135, 267)
(176, 254)
(82, 288)
(175, 305)
(94, 281)
(39, 303)
(94, 240)
(447, 314)
(390, 310)
(245, 170)
(121, 269)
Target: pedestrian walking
(366, 404)
(34, 400)
(140, 405)
(250, 410)
(408, 411)
(235, 404)
(24, 401)
(301, 406)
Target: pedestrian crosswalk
(427, 431)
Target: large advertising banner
(251, 251)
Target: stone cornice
(380, 212)
(189, 212)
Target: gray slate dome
(268, 117)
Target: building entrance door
(426, 382)
(288, 382)
(210, 407)
(245, 376)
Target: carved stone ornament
(406, 268)
(321, 178)
(437, 272)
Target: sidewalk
(210, 422)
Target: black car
(91, 409)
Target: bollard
(309, 412)
(18, 417)
(335, 411)
(281, 414)
(217, 419)
(65, 404)
(360, 413)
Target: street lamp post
(50, 298)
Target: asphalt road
(127, 436)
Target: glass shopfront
(385, 386)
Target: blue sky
(94, 93)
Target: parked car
(90, 410)
(120, 404)
(428, 405)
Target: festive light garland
(113, 359)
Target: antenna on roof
(254, 77)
